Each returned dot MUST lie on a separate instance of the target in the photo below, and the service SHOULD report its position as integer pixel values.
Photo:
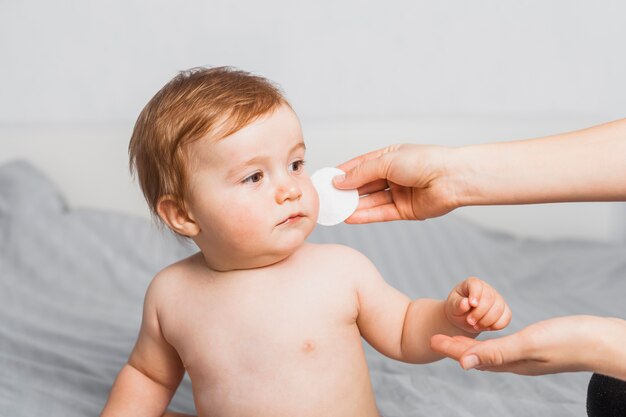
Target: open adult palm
(564, 344)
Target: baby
(264, 323)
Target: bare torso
(275, 341)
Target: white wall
(101, 60)
(78, 63)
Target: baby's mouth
(294, 218)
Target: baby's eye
(256, 177)
(297, 166)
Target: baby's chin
(287, 246)
(281, 245)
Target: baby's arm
(146, 384)
(401, 329)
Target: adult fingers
(384, 213)
(366, 169)
(374, 200)
(493, 354)
(452, 347)
(373, 187)
(348, 165)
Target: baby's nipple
(308, 346)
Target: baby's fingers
(472, 288)
(492, 315)
(504, 319)
(484, 306)
(457, 305)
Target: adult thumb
(492, 353)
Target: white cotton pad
(335, 205)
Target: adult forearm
(135, 394)
(585, 165)
(607, 348)
(425, 318)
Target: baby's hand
(474, 306)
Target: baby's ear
(176, 217)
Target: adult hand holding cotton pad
(335, 205)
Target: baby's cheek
(246, 219)
(315, 202)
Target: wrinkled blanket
(72, 284)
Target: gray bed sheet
(72, 284)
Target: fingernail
(471, 321)
(470, 362)
(340, 178)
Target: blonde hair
(197, 103)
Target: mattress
(72, 283)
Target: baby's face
(250, 194)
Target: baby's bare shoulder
(335, 255)
(174, 278)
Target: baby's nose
(288, 190)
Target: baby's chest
(259, 334)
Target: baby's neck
(218, 263)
